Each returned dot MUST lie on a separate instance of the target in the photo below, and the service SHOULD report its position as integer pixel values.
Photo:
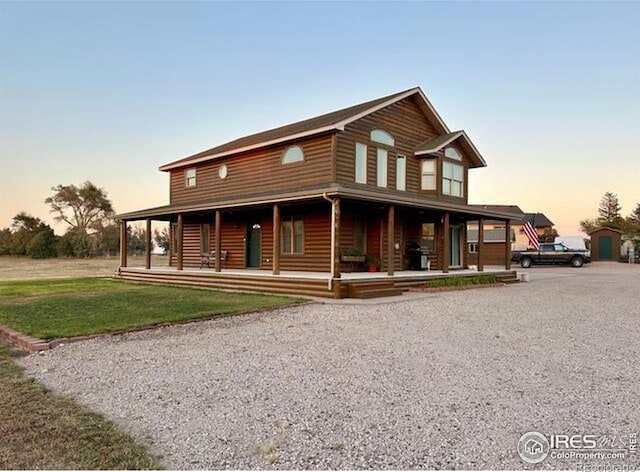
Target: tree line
(92, 230)
(610, 216)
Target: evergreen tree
(609, 209)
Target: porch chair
(206, 259)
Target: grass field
(40, 430)
(58, 308)
(20, 268)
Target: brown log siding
(492, 254)
(407, 124)
(317, 239)
(257, 171)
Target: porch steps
(372, 289)
(510, 277)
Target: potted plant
(372, 263)
(351, 254)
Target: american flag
(531, 235)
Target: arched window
(293, 154)
(452, 153)
(383, 137)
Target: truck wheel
(577, 261)
(525, 262)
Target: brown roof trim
(310, 194)
(329, 122)
(168, 210)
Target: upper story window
(452, 179)
(361, 163)
(452, 153)
(428, 175)
(293, 154)
(381, 167)
(380, 136)
(401, 172)
(190, 177)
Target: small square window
(190, 177)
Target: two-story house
(378, 179)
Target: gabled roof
(600, 228)
(334, 121)
(538, 219)
(437, 143)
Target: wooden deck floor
(319, 284)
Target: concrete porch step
(510, 277)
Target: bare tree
(80, 207)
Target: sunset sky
(107, 92)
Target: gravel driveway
(447, 380)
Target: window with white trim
(452, 179)
(452, 153)
(190, 177)
(381, 167)
(361, 163)
(401, 172)
(380, 136)
(428, 174)
(293, 154)
(292, 235)
(473, 248)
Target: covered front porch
(318, 246)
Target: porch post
(335, 238)
(445, 246)
(480, 242)
(180, 231)
(276, 239)
(171, 236)
(390, 238)
(507, 245)
(147, 259)
(123, 243)
(218, 244)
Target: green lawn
(59, 308)
(40, 430)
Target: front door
(604, 247)
(455, 246)
(254, 241)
